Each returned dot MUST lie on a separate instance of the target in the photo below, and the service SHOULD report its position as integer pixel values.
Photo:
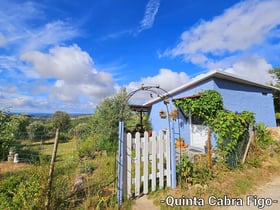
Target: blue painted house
(239, 94)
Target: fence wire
(28, 148)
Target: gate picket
(152, 162)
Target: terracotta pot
(180, 143)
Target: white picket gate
(148, 163)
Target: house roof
(192, 96)
(213, 74)
(139, 108)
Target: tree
(36, 131)
(107, 116)
(61, 120)
(11, 127)
(275, 72)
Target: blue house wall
(239, 97)
(236, 97)
(181, 125)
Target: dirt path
(266, 197)
(265, 194)
(144, 203)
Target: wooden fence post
(247, 148)
(49, 186)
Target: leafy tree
(11, 127)
(61, 120)
(275, 72)
(36, 130)
(107, 116)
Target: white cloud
(50, 34)
(166, 79)
(239, 28)
(68, 63)
(150, 14)
(74, 73)
(63, 77)
(23, 36)
(228, 40)
(252, 67)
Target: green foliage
(263, 138)
(132, 124)
(205, 105)
(36, 130)
(24, 190)
(201, 173)
(83, 130)
(184, 169)
(105, 121)
(275, 72)
(196, 173)
(229, 127)
(89, 146)
(40, 130)
(61, 120)
(10, 128)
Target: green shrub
(24, 190)
(89, 147)
(263, 138)
(201, 173)
(184, 169)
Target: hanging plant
(173, 114)
(162, 114)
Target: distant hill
(49, 115)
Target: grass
(100, 176)
(233, 183)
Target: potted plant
(180, 142)
(173, 114)
(162, 114)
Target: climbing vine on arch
(230, 128)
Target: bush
(24, 190)
(184, 169)
(263, 138)
(89, 146)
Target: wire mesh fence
(31, 149)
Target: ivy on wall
(205, 104)
(229, 127)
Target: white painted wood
(146, 163)
(137, 164)
(151, 151)
(161, 143)
(154, 161)
(129, 170)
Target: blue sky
(70, 55)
